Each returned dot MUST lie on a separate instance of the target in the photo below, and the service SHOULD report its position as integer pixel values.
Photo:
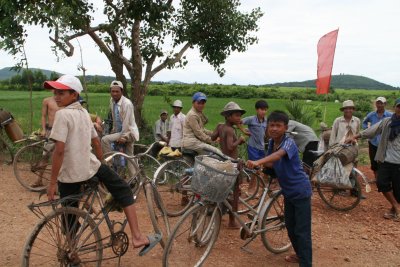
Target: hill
(7, 73)
(343, 81)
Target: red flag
(326, 52)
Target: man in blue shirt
(371, 119)
(284, 158)
(257, 125)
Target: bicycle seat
(317, 153)
(189, 152)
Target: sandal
(154, 240)
(292, 258)
(396, 217)
(390, 214)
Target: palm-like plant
(299, 112)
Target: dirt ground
(360, 237)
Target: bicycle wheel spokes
(174, 187)
(65, 237)
(251, 188)
(150, 165)
(193, 237)
(274, 235)
(341, 199)
(32, 167)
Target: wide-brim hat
(232, 107)
(347, 104)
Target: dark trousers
(309, 157)
(372, 152)
(118, 187)
(298, 225)
(389, 179)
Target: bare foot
(292, 258)
(233, 225)
(140, 242)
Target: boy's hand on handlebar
(252, 164)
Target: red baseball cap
(65, 82)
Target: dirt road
(360, 237)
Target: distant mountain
(338, 81)
(7, 73)
(343, 81)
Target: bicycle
(120, 165)
(70, 236)
(32, 165)
(195, 234)
(173, 183)
(341, 199)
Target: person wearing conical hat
(229, 143)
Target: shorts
(254, 153)
(389, 179)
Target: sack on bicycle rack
(212, 179)
(14, 131)
(347, 154)
(5, 116)
(333, 174)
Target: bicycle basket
(213, 179)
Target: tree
(141, 36)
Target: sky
(368, 45)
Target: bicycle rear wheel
(32, 167)
(150, 164)
(274, 234)
(65, 237)
(341, 199)
(174, 187)
(193, 237)
(157, 213)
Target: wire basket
(212, 179)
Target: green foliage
(300, 112)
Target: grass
(18, 104)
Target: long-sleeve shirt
(127, 115)
(304, 134)
(373, 118)
(387, 150)
(193, 129)
(176, 123)
(341, 128)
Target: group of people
(73, 134)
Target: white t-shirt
(73, 126)
(176, 128)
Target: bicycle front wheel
(65, 237)
(174, 187)
(273, 230)
(157, 213)
(32, 167)
(193, 237)
(251, 188)
(342, 199)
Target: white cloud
(368, 44)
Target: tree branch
(149, 65)
(170, 61)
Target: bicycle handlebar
(162, 143)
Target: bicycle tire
(174, 187)
(30, 167)
(157, 211)
(273, 230)
(341, 199)
(193, 236)
(51, 243)
(252, 196)
(150, 165)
